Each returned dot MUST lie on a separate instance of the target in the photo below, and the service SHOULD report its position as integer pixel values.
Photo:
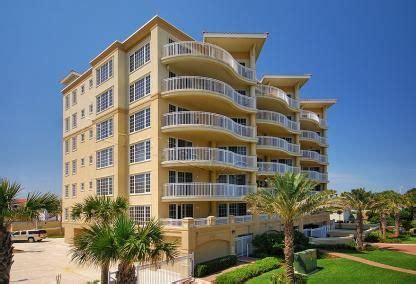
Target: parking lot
(41, 262)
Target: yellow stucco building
(184, 129)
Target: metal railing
(316, 176)
(312, 155)
(271, 168)
(305, 114)
(206, 190)
(188, 83)
(171, 222)
(211, 155)
(278, 118)
(221, 220)
(313, 136)
(243, 219)
(207, 119)
(273, 92)
(194, 48)
(278, 143)
(199, 222)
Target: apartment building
(184, 129)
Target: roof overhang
(237, 42)
(285, 80)
(326, 103)
(70, 77)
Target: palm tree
(102, 211)
(290, 197)
(382, 207)
(124, 242)
(9, 212)
(361, 201)
(397, 203)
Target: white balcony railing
(278, 118)
(309, 115)
(206, 190)
(195, 83)
(316, 176)
(271, 168)
(314, 156)
(313, 136)
(273, 92)
(171, 222)
(211, 156)
(278, 143)
(203, 49)
(208, 120)
(199, 222)
(243, 219)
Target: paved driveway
(41, 262)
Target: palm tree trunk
(383, 224)
(360, 230)
(289, 251)
(6, 255)
(126, 273)
(104, 273)
(396, 224)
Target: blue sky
(360, 52)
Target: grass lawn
(389, 257)
(264, 278)
(402, 239)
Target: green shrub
(337, 247)
(240, 275)
(272, 243)
(413, 224)
(372, 237)
(280, 278)
(208, 267)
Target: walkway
(372, 263)
(406, 248)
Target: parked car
(29, 235)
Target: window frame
(99, 160)
(133, 121)
(146, 183)
(147, 147)
(100, 188)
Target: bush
(240, 275)
(208, 267)
(337, 247)
(372, 237)
(413, 224)
(273, 243)
(280, 278)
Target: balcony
(275, 123)
(272, 168)
(189, 56)
(312, 156)
(203, 191)
(198, 124)
(311, 137)
(207, 94)
(310, 119)
(316, 176)
(267, 96)
(208, 157)
(270, 145)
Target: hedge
(218, 264)
(249, 271)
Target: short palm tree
(382, 207)
(397, 203)
(9, 212)
(290, 197)
(125, 243)
(361, 201)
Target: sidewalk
(406, 248)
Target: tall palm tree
(361, 201)
(382, 207)
(290, 197)
(102, 211)
(122, 242)
(397, 203)
(9, 212)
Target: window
(91, 160)
(171, 40)
(238, 209)
(140, 214)
(232, 179)
(171, 74)
(140, 183)
(105, 186)
(175, 142)
(67, 124)
(91, 108)
(90, 133)
(74, 167)
(74, 120)
(139, 89)
(173, 108)
(82, 137)
(67, 98)
(104, 129)
(90, 184)
(241, 121)
(140, 120)
(222, 210)
(104, 101)
(74, 190)
(104, 158)
(180, 177)
(242, 150)
(66, 214)
(83, 113)
(67, 168)
(82, 89)
(66, 146)
(66, 191)
(140, 57)
(91, 83)
(74, 97)
(140, 151)
(82, 187)
(104, 72)
(179, 211)
(74, 143)
(82, 162)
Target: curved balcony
(275, 123)
(316, 176)
(312, 156)
(208, 157)
(203, 191)
(313, 137)
(309, 117)
(197, 124)
(217, 62)
(272, 168)
(207, 94)
(268, 95)
(269, 145)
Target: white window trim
(112, 185)
(112, 163)
(112, 130)
(102, 93)
(141, 173)
(134, 51)
(144, 161)
(109, 77)
(142, 129)
(146, 95)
